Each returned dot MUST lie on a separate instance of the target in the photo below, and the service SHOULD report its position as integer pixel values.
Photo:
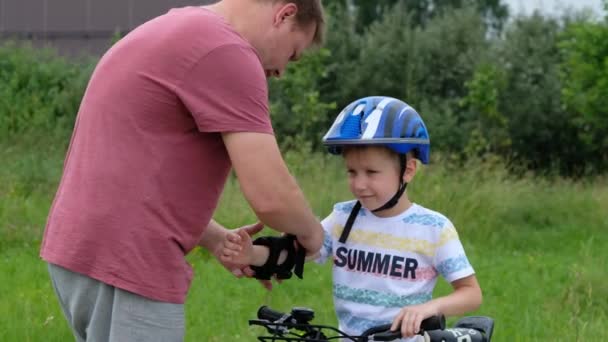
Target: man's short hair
(310, 12)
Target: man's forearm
(295, 219)
(213, 235)
(270, 189)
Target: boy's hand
(237, 248)
(410, 318)
(216, 231)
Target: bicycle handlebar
(384, 332)
(299, 315)
(302, 316)
(269, 314)
(286, 327)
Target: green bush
(39, 91)
(532, 94)
(299, 115)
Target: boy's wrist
(259, 255)
(435, 306)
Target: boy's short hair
(309, 12)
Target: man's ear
(285, 12)
(410, 169)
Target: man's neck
(241, 15)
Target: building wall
(78, 27)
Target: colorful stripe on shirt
(388, 241)
(375, 298)
(426, 220)
(356, 323)
(453, 265)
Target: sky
(553, 6)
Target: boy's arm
(239, 249)
(465, 298)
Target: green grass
(538, 246)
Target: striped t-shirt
(388, 263)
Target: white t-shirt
(388, 263)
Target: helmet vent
(352, 126)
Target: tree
(584, 75)
(540, 128)
(367, 12)
(299, 114)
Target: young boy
(387, 251)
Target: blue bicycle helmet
(380, 120)
(384, 121)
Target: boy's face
(373, 175)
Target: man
(169, 110)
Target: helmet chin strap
(394, 200)
(391, 203)
(402, 185)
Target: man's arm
(213, 237)
(270, 189)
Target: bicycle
(296, 326)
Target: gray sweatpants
(98, 312)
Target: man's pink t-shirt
(146, 164)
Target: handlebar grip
(383, 332)
(388, 336)
(266, 313)
(433, 323)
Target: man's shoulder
(207, 28)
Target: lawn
(538, 245)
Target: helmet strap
(402, 186)
(349, 223)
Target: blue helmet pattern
(380, 120)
